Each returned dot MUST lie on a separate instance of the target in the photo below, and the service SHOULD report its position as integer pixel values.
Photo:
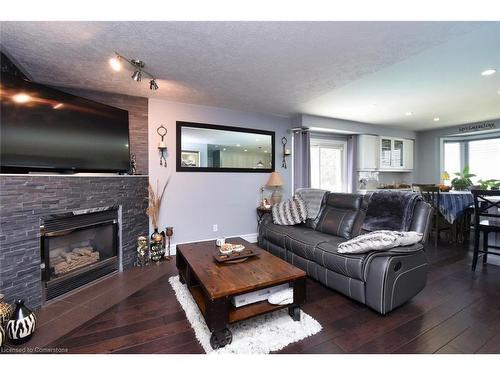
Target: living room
(207, 185)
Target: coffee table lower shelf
(236, 314)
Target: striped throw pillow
(290, 212)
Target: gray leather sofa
(381, 280)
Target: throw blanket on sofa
(380, 240)
(390, 210)
(313, 199)
(290, 212)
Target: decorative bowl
(226, 249)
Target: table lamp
(445, 176)
(275, 182)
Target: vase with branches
(155, 198)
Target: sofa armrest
(392, 278)
(267, 218)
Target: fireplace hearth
(78, 248)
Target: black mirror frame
(180, 168)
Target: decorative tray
(234, 257)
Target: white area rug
(259, 335)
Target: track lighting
(138, 65)
(137, 76)
(115, 63)
(153, 85)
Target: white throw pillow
(379, 240)
(290, 212)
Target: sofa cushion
(275, 233)
(303, 241)
(352, 265)
(340, 213)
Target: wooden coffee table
(213, 284)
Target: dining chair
(431, 194)
(486, 220)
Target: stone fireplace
(58, 233)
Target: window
(328, 165)
(452, 157)
(484, 158)
(481, 155)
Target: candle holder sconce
(286, 152)
(162, 146)
(169, 232)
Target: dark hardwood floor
(457, 312)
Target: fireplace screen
(77, 249)
(80, 248)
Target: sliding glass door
(329, 165)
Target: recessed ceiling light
(245, 150)
(488, 72)
(21, 98)
(223, 149)
(57, 106)
(498, 92)
(436, 119)
(265, 151)
(373, 105)
(409, 113)
(115, 64)
(238, 145)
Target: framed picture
(190, 159)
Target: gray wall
(195, 201)
(427, 150)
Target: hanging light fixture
(137, 76)
(139, 72)
(153, 85)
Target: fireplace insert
(77, 248)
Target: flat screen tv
(45, 129)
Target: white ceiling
(335, 69)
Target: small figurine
(133, 164)
(142, 252)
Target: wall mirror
(217, 148)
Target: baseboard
(250, 237)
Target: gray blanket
(390, 210)
(312, 199)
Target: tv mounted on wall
(46, 129)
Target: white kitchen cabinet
(368, 152)
(385, 154)
(396, 154)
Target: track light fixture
(153, 85)
(137, 76)
(138, 65)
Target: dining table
(453, 204)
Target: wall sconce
(286, 152)
(162, 146)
